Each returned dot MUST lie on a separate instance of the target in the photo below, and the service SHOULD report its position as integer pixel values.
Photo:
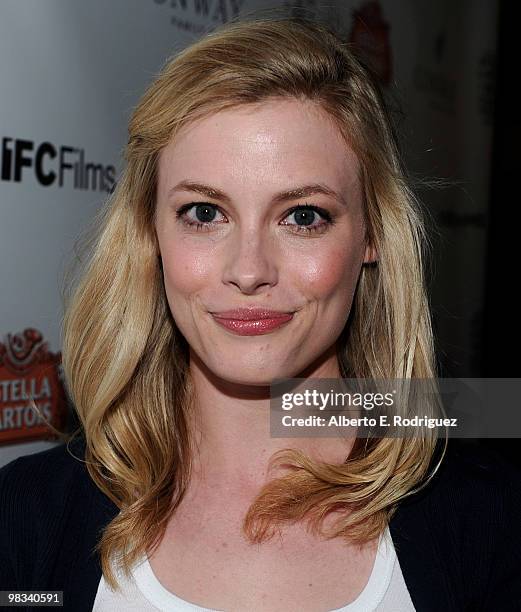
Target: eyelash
(200, 226)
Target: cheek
(186, 269)
(187, 272)
(326, 273)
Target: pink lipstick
(252, 321)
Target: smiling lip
(252, 322)
(251, 314)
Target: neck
(232, 429)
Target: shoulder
(471, 502)
(41, 487)
(38, 490)
(48, 502)
(459, 532)
(483, 490)
(471, 477)
(51, 514)
(43, 475)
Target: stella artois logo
(29, 371)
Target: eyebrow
(295, 193)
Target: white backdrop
(71, 72)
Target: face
(238, 243)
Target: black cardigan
(458, 540)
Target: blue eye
(307, 213)
(305, 216)
(204, 213)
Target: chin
(254, 376)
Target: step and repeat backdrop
(71, 72)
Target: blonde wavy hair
(125, 362)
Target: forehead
(269, 144)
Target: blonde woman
(263, 228)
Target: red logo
(29, 371)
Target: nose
(250, 261)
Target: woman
(263, 228)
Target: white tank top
(385, 590)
